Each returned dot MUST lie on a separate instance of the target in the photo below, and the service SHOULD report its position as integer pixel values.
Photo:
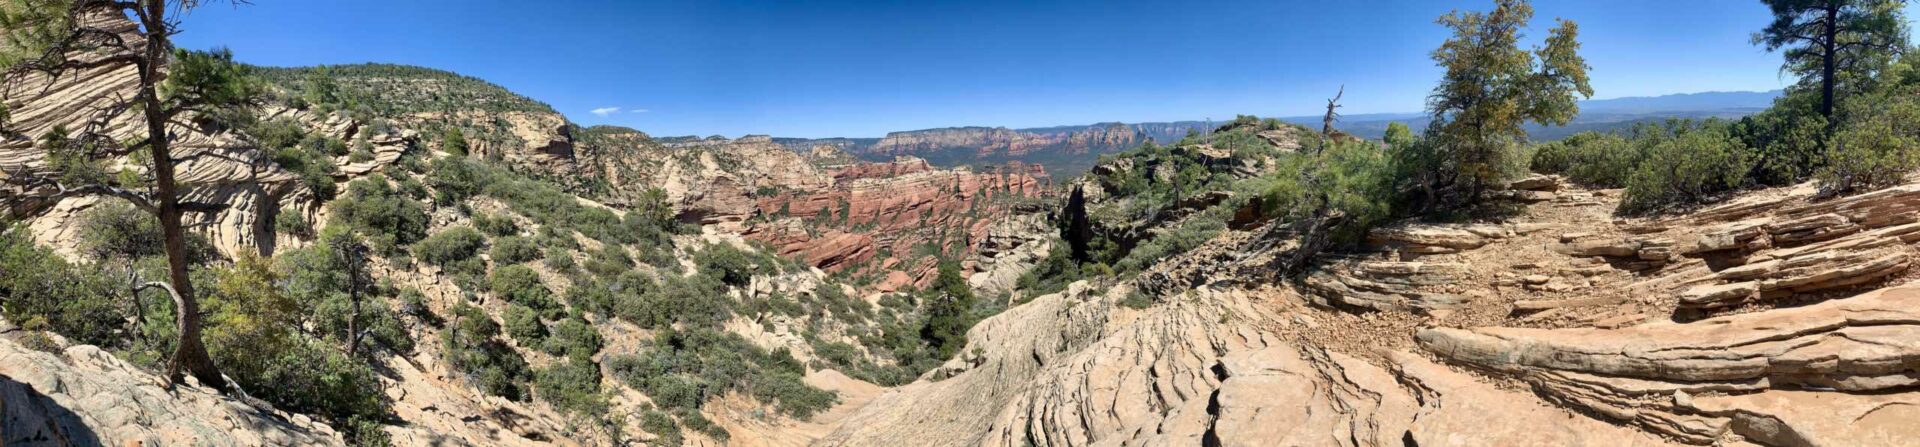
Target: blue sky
(861, 69)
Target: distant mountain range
(1063, 150)
(1069, 150)
(1600, 115)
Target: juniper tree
(1492, 87)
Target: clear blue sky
(861, 69)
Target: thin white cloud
(605, 111)
(637, 110)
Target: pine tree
(173, 86)
(1834, 42)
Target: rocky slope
(1617, 330)
(893, 220)
(83, 396)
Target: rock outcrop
(1411, 286)
(877, 215)
(1835, 373)
(1205, 369)
(83, 396)
(1010, 249)
(218, 166)
(1611, 322)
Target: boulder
(1536, 182)
(85, 396)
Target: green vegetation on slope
(385, 90)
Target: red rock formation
(878, 215)
(989, 141)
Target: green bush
(496, 225)
(388, 219)
(609, 261)
(1590, 158)
(1686, 162)
(363, 432)
(454, 179)
(948, 301)
(847, 359)
(556, 237)
(409, 185)
(414, 303)
(1171, 242)
(472, 347)
(843, 306)
(694, 301)
(453, 142)
(731, 265)
(291, 222)
(1051, 274)
(317, 278)
(455, 250)
(573, 338)
(115, 230)
(572, 386)
(378, 322)
(1137, 300)
(514, 250)
(524, 325)
(681, 370)
(1876, 151)
(1788, 138)
(80, 302)
(1348, 177)
(560, 260)
(521, 285)
(662, 426)
(309, 156)
(39, 340)
(311, 377)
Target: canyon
(597, 285)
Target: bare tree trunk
(353, 318)
(189, 354)
(139, 305)
(1829, 50)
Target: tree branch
(203, 207)
(30, 182)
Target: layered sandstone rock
(217, 168)
(1385, 285)
(1759, 375)
(1010, 249)
(959, 409)
(710, 182)
(897, 208)
(1418, 239)
(83, 396)
(1205, 369)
